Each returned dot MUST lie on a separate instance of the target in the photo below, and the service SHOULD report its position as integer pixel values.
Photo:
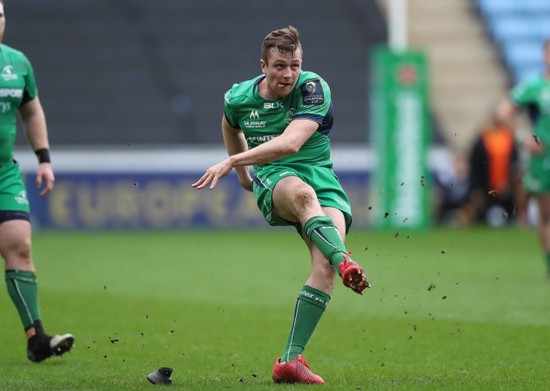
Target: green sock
(310, 306)
(548, 262)
(324, 234)
(22, 290)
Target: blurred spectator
(495, 196)
(452, 188)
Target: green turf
(449, 310)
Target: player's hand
(213, 174)
(44, 178)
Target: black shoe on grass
(43, 346)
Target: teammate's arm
(34, 125)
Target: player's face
(281, 72)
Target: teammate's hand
(213, 174)
(45, 178)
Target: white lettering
(259, 139)
(272, 105)
(11, 92)
(408, 141)
(255, 124)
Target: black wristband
(43, 155)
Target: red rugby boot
(295, 371)
(352, 275)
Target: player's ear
(263, 65)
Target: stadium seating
(141, 73)
(519, 29)
(495, 8)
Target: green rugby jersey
(17, 85)
(535, 96)
(262, 119)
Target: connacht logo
(7, 73)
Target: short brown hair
(285, 40)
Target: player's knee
(305, 197)
(21, 252)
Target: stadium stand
(136, 72)
(467, 77)
(518, 28)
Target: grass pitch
(449, 310)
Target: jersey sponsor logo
(272, 105)
(7, 73)
(312, 93)
(21, 198)
(11, 92)
(254, 122)
(260, 139)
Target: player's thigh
(15, 243)
(286, 194)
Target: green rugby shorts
(13, 193)
(323, 180)
(537, 176)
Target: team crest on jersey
(289, 115)
(8, 74)
(312, 93)
(21, 198)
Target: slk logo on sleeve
(312, 93)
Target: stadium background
(133, 96)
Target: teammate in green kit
(280, 122)
(535, 96)
(18, 94)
